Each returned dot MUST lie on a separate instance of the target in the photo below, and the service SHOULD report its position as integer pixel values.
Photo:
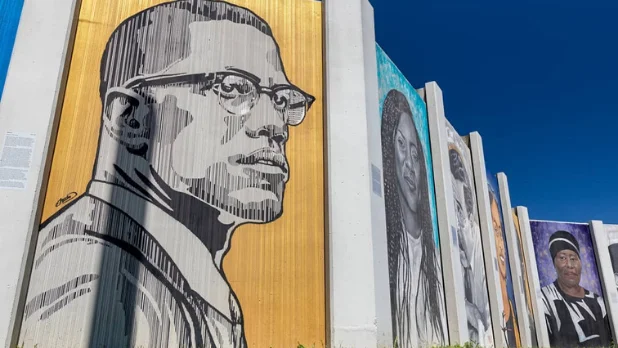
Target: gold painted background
(276, 269)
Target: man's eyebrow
(245, 73)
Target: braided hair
(395, 105)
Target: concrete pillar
(489, 241)
(533, 277)
(352, 106)
(447, 217)
(31, 96)
(606, 272)
(516, 265)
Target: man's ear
(125, 118)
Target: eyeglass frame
(167, 79)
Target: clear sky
(537, 79)
(9, 18)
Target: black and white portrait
(414, 262)
(196, 114)
(469, 237)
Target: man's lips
(263, 156)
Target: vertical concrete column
(515, 262)
(608, 283)
(351, 99)
(488, 239)
(27, 111)
(533, 277)
(447, 217)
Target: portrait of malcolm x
(196, 115)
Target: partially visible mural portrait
(573, 304)
(469, 237)
(526, 285)
(612, 237)
(415, 273)
(510, 326)
(10, 12)
(185, 200)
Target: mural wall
(526, 285)
(415, 274)
(10, 11)
(612, 237)
(509, 316)
(573, 303)
(185, 200)
(469, 237)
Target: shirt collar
(191, 256)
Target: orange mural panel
(185, 203)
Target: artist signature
(66, 199)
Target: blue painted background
(10, 11)
(492, 181)
(390, 77)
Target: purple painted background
(542, 230)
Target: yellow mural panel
(275, 267)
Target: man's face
(223, 142)
(407, 161)
(500, 249)
(568, 267)
(463, 223)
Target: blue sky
(10, 11)
(537, 79)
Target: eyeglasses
(237, 93)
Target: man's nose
(276, 134)
(265, 121)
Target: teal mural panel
(414, 262)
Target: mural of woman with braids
(417, 302)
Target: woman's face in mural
(568, 267)
(500, 249)
(407, 161)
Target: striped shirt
(575, 322)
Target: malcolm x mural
(196, 113)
